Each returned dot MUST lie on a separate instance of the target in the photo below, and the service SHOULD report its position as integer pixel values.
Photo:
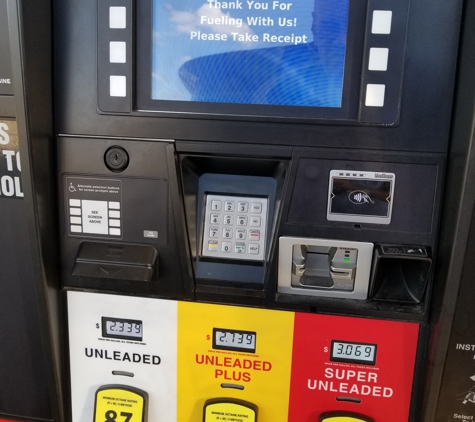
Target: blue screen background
(256, 64)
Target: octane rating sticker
(119, 404)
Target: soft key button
(117, 52)
(118, 86)
(76, 220)
(378, 59)
(375, 95)
(117, 17)
(114, 214)
(382, 22)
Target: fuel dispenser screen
(250, 52)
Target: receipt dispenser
(324, 267)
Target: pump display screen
(122, 328)
(344, 351)
(236, 340)
(268, 52)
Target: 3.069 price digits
(111, 416)
(352, 350)
(347, 351)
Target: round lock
(116, 159)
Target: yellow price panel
(119, 403)
(229, 410)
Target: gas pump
(244, 236)
(248, 205)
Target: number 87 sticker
(120, 403)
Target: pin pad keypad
(235, 227)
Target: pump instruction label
(94, 206)
(10, 166)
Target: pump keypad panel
(235, 227)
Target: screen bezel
(351, 85)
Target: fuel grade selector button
(227, 409)
(116, 159)
(344, 417)
(120, 403)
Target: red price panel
(355, 365)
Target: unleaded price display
(127, 329)
(237, 340)
(361, 353)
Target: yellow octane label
(229, 412)
(117, 405)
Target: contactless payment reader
(360, 196)
(216, 410)
(120, 403)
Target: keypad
(235, 227)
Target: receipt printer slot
(324, 267)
